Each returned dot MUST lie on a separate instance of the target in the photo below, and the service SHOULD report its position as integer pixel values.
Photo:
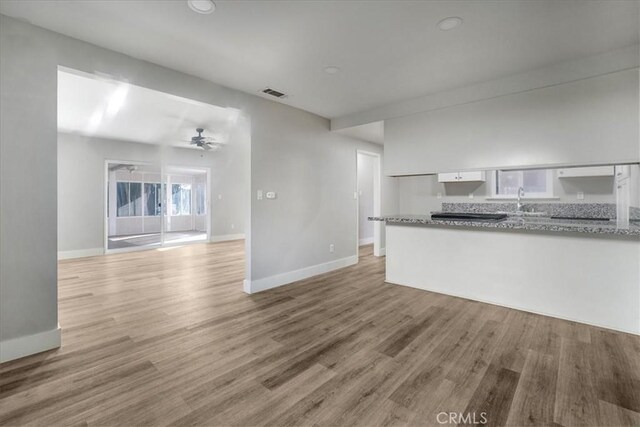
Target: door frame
(377, 202)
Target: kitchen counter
(582, 270)
(533, 223)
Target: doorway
(148, 207)
(368, 194)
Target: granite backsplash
(575, 210)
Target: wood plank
(534, 398)
(493, 396)
(576, 397)
(617, 381)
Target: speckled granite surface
(579, 210)
(544, 224)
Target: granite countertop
(523, 223)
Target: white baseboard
(80, 253)
(365, 241)
(381, 252)
(16, 348)
(293, 276)
(227, 237)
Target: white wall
(571, 70)
(590, 121)
(365, 197)
(419, 194)
(81, 179)
(585, 278)
(313, 172)
(292, 152)
(28, 260)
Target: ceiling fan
(205, 142)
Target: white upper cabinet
(473, 176)
(586, 171)
(448, 177)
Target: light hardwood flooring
(167, 337)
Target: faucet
(519, 206)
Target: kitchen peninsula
(585, 270)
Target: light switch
(259, 194)
(219, 196)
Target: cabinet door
(448, 177)
(586, 171)
(471, 176)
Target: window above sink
(536, 183)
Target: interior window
(535, 183)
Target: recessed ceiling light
(331, 69)
(450, 23)
(202, 6)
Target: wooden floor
(167, 337)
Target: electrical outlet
(471, 195)
(259, 194)
(332, 248)
(355, 195)
(233, 226)
(219, 196)
(580, 195)
(439, 195)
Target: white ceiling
(372, 132)
(109, 109)
(388, 50)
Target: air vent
(275, 93)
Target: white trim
(16, 348)
(136, 249)
(516, 307)
(382, 252)
(80, 253)
(366, 241)
(226, 237)
(293, 276)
